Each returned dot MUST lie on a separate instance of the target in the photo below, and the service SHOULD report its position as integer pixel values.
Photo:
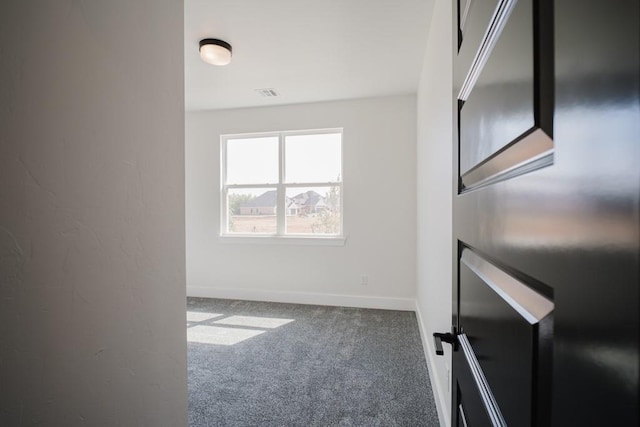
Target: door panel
(553, 206)
(509, 327)
(533, 150)
(469, 408)
(473, 22)
(499, 107)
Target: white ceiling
(304, 49)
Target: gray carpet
(268, 364)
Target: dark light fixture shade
(215, 51)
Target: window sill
(284, 240)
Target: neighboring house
(292, 207)
(264, 204)
(306, 203)
(322, 205)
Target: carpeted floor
(269, 364)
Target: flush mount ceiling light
(214, 51)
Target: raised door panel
(505, 94)
(507, 327)
(473, 21)
(498, 91)
(469, 409)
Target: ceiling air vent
(267, 93)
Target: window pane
(313, 210)
(313, 158)
(252, 210)
(252, 160)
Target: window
(282, 184)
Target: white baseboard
(385, 303)
(439, 395)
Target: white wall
(92, 299)
(379, 210)
(434, 172)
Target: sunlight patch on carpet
(220, 336)
(254, 322)
(199, 316)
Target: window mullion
(281, 205)
(314, 184)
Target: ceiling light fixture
(214, 51)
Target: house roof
(309, 198)
(267, 199)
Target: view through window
(282, 183)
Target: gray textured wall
(92, 275)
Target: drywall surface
(434, 190)
(92, 276)
(379, 210)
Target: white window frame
(279, 237)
